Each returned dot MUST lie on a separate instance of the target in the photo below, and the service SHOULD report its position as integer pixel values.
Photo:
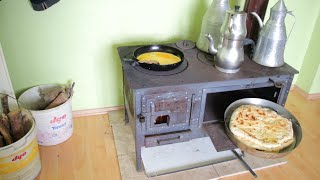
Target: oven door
(167, 112)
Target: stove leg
(139, 163)
(139, 144)
(139, 137)
(126, 117)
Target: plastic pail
(54, 125)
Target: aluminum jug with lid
(230, 54)
(272, 37)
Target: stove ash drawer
(167, 112)
(169, 138)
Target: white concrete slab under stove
(181, 156)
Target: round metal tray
(297, 132)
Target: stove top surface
(199, 69)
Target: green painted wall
(308, 79)
(315, 88)
(77, 40)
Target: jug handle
(248, 41)
(294, 22)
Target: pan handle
(244, 163)
(130, 61)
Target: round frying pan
(297, 131)
(157, 48)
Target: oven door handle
(167, 140)
(277, 84)
(141, 118)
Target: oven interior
(217, 103)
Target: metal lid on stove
(186, 44)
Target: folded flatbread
(261, 128)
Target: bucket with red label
(54, 125)
(21, 159)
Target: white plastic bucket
(54, 125)
(21, 160)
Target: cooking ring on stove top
(205, 58)
(177, 70)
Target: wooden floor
(90, 153)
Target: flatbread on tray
(261, 128)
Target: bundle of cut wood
(13, 124)
(56, 96)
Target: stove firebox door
(167, 112)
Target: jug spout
(211, 48)
(258, 19)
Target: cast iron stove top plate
(218, 136)
(177, 70)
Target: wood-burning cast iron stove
(171, 107)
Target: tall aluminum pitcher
(272, 37)
(211, 23)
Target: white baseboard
(91, 112)
(305, 94)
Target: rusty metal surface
(197, 72)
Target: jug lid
(236, 11)
(279, 6)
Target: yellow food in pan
(162, 57)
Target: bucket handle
(294, 22)
(12, 98)
(18, 103)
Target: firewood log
(6, 134)
(16, 130)
(51, 94)
(26, 123)
(5, 120)
(5, 104)
(61, 98)
(69, 90)
(2, 141)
